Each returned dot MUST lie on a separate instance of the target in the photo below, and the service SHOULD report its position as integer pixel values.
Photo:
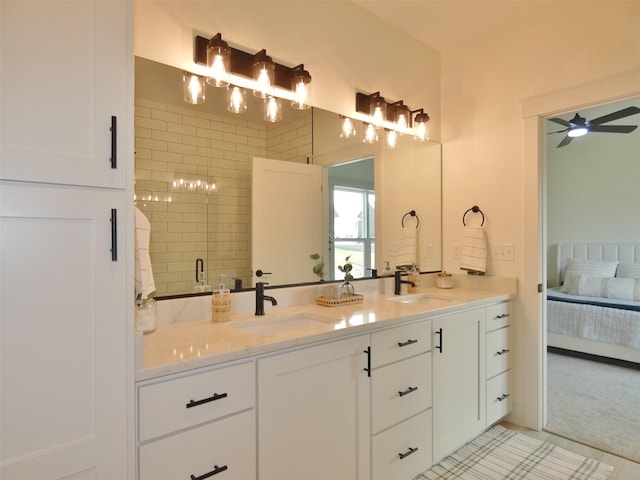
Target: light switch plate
(502, 251)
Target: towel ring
(413, 214)
(474, 209)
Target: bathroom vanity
(377, 390)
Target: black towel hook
(413, 214)
(474, 209)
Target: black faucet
(261, 297)
(398, 282)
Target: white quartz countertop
(179, 347)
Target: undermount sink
(427, 299)
(272, 325)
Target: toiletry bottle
(221, 303)
(414, 276)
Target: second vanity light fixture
(396, 118)
(236, 70)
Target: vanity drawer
(226, 446)
(498, 397)
(498, 316)
(400, 390)
(391, 450)
(182, 402)
(498, 351)
(399, 343)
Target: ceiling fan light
(578, 132)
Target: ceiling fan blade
(560, 121)
(565, 141)
(625, 112)
(558, 131)
(613, 128)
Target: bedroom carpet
(504, 454)
(594, 403)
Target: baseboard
(595, 358)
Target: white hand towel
(145, 284)
(408, 252)
(474, 250)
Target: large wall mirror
(229, 194)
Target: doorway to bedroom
(591, 196)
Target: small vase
(346, 290)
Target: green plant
(318, 267)
(346, 269)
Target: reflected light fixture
(301, 88)
(577, 132)
(391, 138)
(193, 88)
(420, 122)
(272, 110)
(236, 101)
(370, 134)
(263, 74)
(347, 127)
(218, 62)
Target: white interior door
(286, 220)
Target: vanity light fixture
(218, 61)
(378, 111)
(420, 122)
(263, 73)
(391, 138)
(370, 134)
(193, 88)
(301, 88)
(347, 127)
(401, 116)
(272, 110)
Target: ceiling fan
(578, 126)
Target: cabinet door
(66, 71)
(64, 324)
(458, 380)
(313, 413)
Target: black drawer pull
(368, 368)
(405, 455)
(408, 342)
(114, 142)
(216, 470)
(502, 397)
(408, 391)
(195, 403)
(114, 235)
(503, 351)
(504, 315)
(439, 333)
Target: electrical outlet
(457, 251)
(502, 251)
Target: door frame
(533, 111)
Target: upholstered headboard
(623, 252)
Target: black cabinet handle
(114, 235)
(409, 452)
(114, 142)
(504, 315)
(407, 391)
(408, 342)
(216, 396)
(503, 351)
(216, 470)
(368, 369)
(439, 333)
(502, 397)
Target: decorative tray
(336, 302)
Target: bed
(593, 299)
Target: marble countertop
(180, 347)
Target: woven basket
(337, 302)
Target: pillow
(628, 270)
(579, 266)
(604, 287)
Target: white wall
(558, 46)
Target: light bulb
(236, 102)
(273, 110)
(193, 88)
(392, 138)
(370, 135)
(347, 128)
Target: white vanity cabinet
(314, 412)
(499, 355)
(199, 425)
(459, 380)
(66, 296)
(401, 401)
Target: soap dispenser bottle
(221, 303)
(414, 276)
